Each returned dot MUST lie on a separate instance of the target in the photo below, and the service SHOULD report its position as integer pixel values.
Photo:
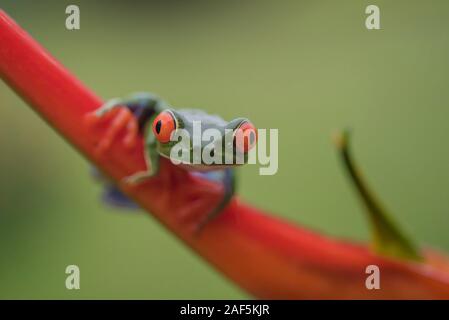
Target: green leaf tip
(388, 239)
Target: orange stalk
(268, 257)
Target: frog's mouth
(201, 166)
(206, 167)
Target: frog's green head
(218, 142)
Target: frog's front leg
(151, 160)
(109, 105)
(136, 102)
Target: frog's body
(157, 122)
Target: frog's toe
(132, 131)
(92, 119)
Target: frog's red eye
(246, 137)
(163, 125)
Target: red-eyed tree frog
(158, 123)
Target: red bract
(268, 257)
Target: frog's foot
(228, 182)
(138, 177)
(118, 120)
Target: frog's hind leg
(111, 194)
(115, 197)
(228, 181)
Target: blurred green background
(305, 67)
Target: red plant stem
(268, 257)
